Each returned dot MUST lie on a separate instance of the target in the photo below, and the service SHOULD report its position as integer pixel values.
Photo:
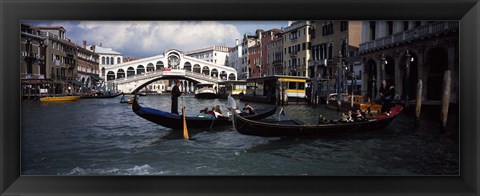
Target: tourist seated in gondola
(206, 114)
(359, 116)
(249, 109)
(347, 117)
(204, 111)
(218, 112)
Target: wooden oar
(185, 130)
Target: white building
(107, 57)
(235, 57)
(214, 54)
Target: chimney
(100, 45)
(92, 48)
(84, 44)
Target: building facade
(87, 67)
(404, 52)
(49, 58)
(274, 65)
(296, 41)
(214, 54)
(235, 57)
(335, 46)
(267, 36)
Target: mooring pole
(418, 103)
(445, 98)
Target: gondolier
(387, 92)
(175, 94)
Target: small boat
(129, 101)
(294, 128)
(60, 98)
(205, 91)
(359, 102)
(175, 121)
(100, 96)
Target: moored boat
(59, 98)
(100, 96)
(175, 121)
(205, 91)
(293, 128)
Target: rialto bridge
(173, 64)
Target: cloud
(148, 38)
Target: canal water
(104, 137)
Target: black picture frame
(12, 12)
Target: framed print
(101, 53)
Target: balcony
(31, 76)
(30, 55)
(411, 34)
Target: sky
(149, 38)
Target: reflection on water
(104, 137)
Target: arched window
(196, 68)
(103, 60)
(214, 73)
(187, 66)
(119, 60)
(223, 75)
(231, 77)
(108, 61)
(206, 71)
(110, 75)
(130, 71)
(103, 71)
(111, 60)
(120, 73)
(140, 69)
(150, 67)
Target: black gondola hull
(281, 129)
(174, 121)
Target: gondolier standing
(387, 92)
(175, 94)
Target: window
(327, 28)
(405, 25)
(390, 27)
(303, 46)
(108, 61)
(372, 30)
(344, 48)
(330, 51)
(103, 60)
(118, 60)
(111, 60)
(343, 25)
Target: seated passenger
(204, 110)
(249, 109)
(211, 111)
(218, 112)
(359, 117)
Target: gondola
(293, 128)
(101, 96)
(175, 121)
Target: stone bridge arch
(144, 84)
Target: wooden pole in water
(445, 98)
(418, 103)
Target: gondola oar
(185, 130)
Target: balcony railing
(411, 34)
(31, 76)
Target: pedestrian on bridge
(175, 94)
